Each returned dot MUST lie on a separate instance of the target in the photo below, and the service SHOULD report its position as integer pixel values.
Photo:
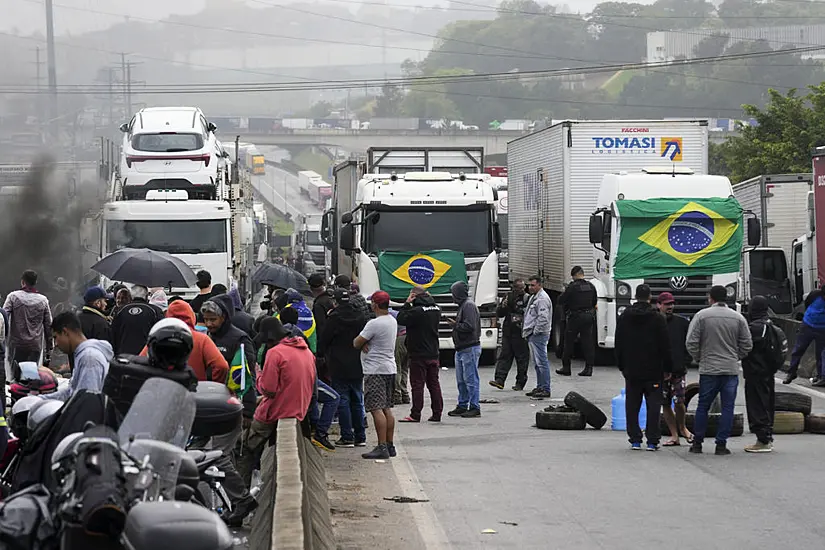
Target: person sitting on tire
(643, 355)
(677, 329)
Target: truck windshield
(175, 237)
(314, 238)
(167, 142)
(464, 230)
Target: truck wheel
(562, 418)
(558, 333)
(593, 415)
(815, 423)
(785, 422)
(791, 401)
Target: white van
(171, 148)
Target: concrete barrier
(807, 367)
(293, 511)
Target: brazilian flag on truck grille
(669, 237)
(436, 270)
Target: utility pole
(52, 68)
(126, 81)
(41, 116)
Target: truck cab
(803, 258)
(689, 285)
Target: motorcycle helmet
(65, 447)
(41, 412)
(20, 415)
(169, 344)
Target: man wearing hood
(131, 326)
(240, 318)
(357, 299)
(421, 316)
(206, 359)
(467, 342)
(89, 359)
(344, 323)
(94, 322)
(759, 368)
(239, 352)
(643, 356)
(306, 321)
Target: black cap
(342, 281)
(341, 295)
(576, 270)
(643, 292)
(316, 280)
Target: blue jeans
(466, 376)
(709, 387)
(328, 399)
(538, 348)
(351, 409)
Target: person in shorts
(674, 386)
(377, 345)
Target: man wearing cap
(578, 302)
(421, 315)
(674, 386)
(356, 298)
(93, 321)
(377, 345)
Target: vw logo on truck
(678, 283)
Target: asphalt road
(277, 184)
(581, 489)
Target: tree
(388, 104)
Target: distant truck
(394, 124)
(297, 123)
(313, 185)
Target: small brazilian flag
(670, 237)
(435, 270)
(306, 322)
(240, 378)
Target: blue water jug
(619, 420)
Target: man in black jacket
(93, 321)
(513, 345)
(131, 326)
(677, 329)
(643, 356)
(578, 302)
(421, 316)
(759, 382)
(344, 323)
(322, 302)
(217, 316)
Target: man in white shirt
(377, 345)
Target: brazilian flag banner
(436, 270)
(240, 378)
(669, 237)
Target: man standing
(131, 326)
(578, 302)
(30, 320)
(306, 320)
(356, 298)
(760, 365)
(718, 339)
(322, 302)
(538, 321)
(467, 343)
(94, 322)
(643, 355)
(421, 316)
(811, 330)
(677, 329)
(377, 345)
(204, 284)
(513, 345)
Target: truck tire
(713, 424)
(785, 422)
(558, 329)
(815, 423)
(593, 415)
(560, 418)
(791, 401)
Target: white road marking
(429, 527)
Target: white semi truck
(413, 200)
(557, 180)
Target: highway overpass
(493, 141)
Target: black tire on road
(713, 424)
(593, 415)
(785, 422)
(791, 401)
(691, 391)
(815, 423)
(560, 420)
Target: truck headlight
(488, 322)
(623, 291)
(730, 292)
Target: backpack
(776, 346)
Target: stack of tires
(576, 413)
(792, 411)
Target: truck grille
(448, 309)
(689, 300)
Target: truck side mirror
(211, 127)
(348, 237)
(497, 235)
(326, 226)
(754, 232)
(346, 219)
(596, 230)
(124, 127)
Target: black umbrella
(146, 267)
(282, 277)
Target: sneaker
(518, 387)
(563, 372)
(531, 392)
(696, 448)
(722, 450)
(391, 450)
(471, 413)
(652, 446)
(790, 377)
(243, 508)
(345, 443)
(635, 446)
(379, 452)
(434, 419)
(361, 443)
(458, 411)
(323, 442)
(759, 447)
(496, 384)
(540, 394)
(818, 383)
